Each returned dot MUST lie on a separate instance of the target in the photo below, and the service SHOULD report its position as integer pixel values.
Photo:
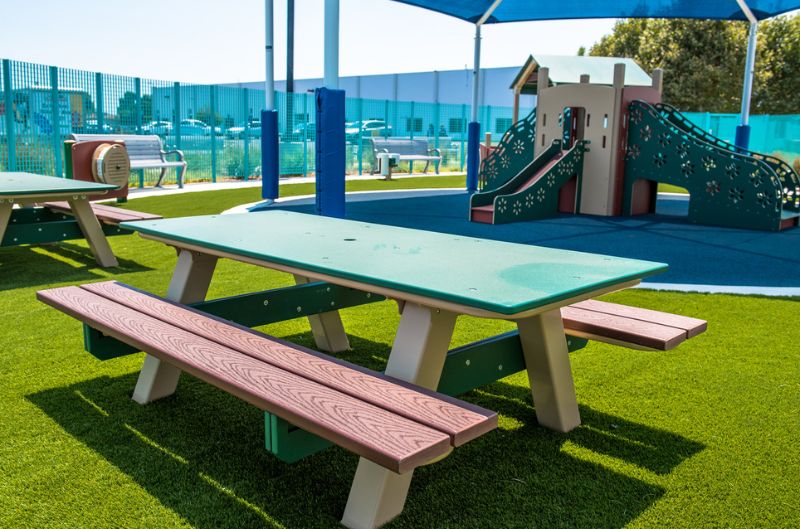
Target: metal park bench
(145, 152)
(390, 151)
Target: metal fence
(218, 130)
(217, 127)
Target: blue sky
(209, 41)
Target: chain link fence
(218, 129)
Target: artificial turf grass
(702, 436)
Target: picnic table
(434, 277)
(31, 225)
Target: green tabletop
(22, 184)
(500, 277)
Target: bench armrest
(175, 151)
(437, 152)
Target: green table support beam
(43, 231)
(253, 310)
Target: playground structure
(601, 150)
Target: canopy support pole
(743, 129)
(331, 78)
(474, 128)
(270, 170)
(330, 144)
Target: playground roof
(566, 69)
(524, 10)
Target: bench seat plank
(385, 438)
(461, 421)
(692, 326)
(106, 214)
(614, 328)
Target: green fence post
(246, 135)
(212, 103)
(360, 118)
(488, 123)
(437, 108)
(385, 120)
(11, 129)
(411, 136)
(176, 119)
(137, 89)
(100, 104)
(305, 134)
(54, 116)
(463, 129)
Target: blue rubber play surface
(702, 255)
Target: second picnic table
(20, 226)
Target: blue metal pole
(270, 162)
(743, 130)
(474, 128)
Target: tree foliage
(703, 61)
(126, 108)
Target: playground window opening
(605, 121)
(588, 118)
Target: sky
(213, 41)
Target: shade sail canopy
(527, 10)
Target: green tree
(703, 61)
(126, 108)
(204, 115)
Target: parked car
(162, 128)
(307, 130)
(253, 129)
(370, 127)
(90, 126)
(194, 127)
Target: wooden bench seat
(105, 214)
(629, 326)
(390, 422)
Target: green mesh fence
(218, 127)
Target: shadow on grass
(201, 453)
(30, 266)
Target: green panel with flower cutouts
(725, 188)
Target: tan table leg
(547, 360)
(417, 356)
(92, 232)
(189, 284)
(5, 215)
(327, 327)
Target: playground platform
(701, 258)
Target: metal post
(137, 90)
(212, 104)
(54, 116)
(270, 158)
(360, 119)
(100, 103)
(11, 129)
(246, 135)
(331, 79)
(476, 74)
(463, 123)
(176, 124)
(385, 119)
(269, 55)
(305, 134)
(290, 117)
(437, 110)
(743, 130)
